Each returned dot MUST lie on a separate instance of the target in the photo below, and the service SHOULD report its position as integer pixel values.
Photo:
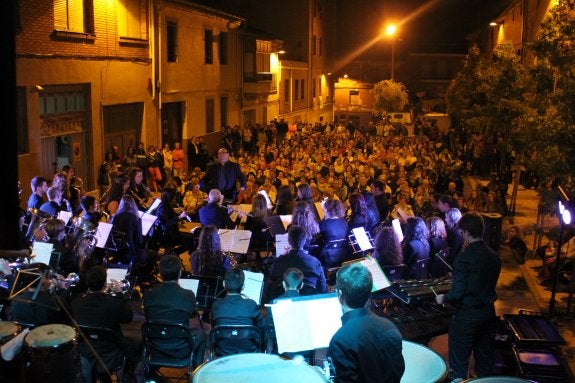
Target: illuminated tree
(389, 96)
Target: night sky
(424, 25)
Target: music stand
(36, 278)
(360, 240)
(206, 289)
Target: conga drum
(422, 364)
(9, 370)
(8, 330)
(499, 379)
(256, 367)
(52, 354)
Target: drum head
(422, 364)
(8, 329)
(50, 335)
(255, 367)
(499, 379)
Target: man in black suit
(171, 303)
(223, 176)
(193, 153)
(214, 213)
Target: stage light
(564, 213)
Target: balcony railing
(258, 77)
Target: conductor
(223, 176)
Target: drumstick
(431, 288)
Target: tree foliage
(389, 96)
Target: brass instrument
(125, 284)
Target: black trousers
(472, 330)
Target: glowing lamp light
(564, 213)
(390, 30)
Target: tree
(555, 78)
(389, 96)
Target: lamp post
(564, 219)
(390, 31)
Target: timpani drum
(422, 364)
(52, 354)
(256, 367)
(499, 379)
(8, 330)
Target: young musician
(138, 189)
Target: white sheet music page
(64, 216)
(189, 284)
(320, 211)
(42, 251)
(235, 241)
(116, 274)
(282, 244)
(253, 285)
(286, 220)
(396, 225)
(305, 324)
(380, 281)
(148, 221)
(102, 234)
(362, 238)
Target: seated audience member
(236, 309)
(297, 257)
(402, 210)
(208, 259)
(367, 348)
(214, 213)
(168, 302)
(194, 198)
(98, 308)
(516, 242)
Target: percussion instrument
(499, 379)
(8, 330)
(257, 367)
(52, 354)
(422, 365)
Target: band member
(127, 221)
(61, 181)
(65, 262)
(117, 191)
(91, 213)
(169, 218)
(223, 176)
(367, 348)
(472, 329)
(54, 204)
(214, 213)
(208, 259)
(39, 186)
(138, 188)
(75, 187)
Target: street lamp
(390, 31)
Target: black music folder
(275, 225)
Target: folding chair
(235, 339)
(167, 345)
(110, 351)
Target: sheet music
(282, 244)
(148, 221)
(64, 216)
(117, 274)
(235, 241)
(315, 321)
(253, 285)
(102, 234)
(380, 281)
(286, 220)
(42, 252)
(320, 211)
(362, 239)
(397, 229)
(154, 205)
(189, 284)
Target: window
(313, 44)
(22, 122)
(313, 87)
(263, 52)
(209, 116)
(172, 43)
(130, 19)
(286, 91)
(69, 15)
(209, 46)
(223, 111)
(296, 90)
(302, 89)
(223, 47)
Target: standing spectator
(178, 158)
(472, 328)
(141, 160)
(130, 161)
(193, 153)
(168, 163)
(154, 165)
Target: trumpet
(124, 284)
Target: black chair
(235, 339)
(107, 348)
(394, 272)
(419, 270)
(440, 266)
(335, 252)
(167, 345)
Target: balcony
(259, 84)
